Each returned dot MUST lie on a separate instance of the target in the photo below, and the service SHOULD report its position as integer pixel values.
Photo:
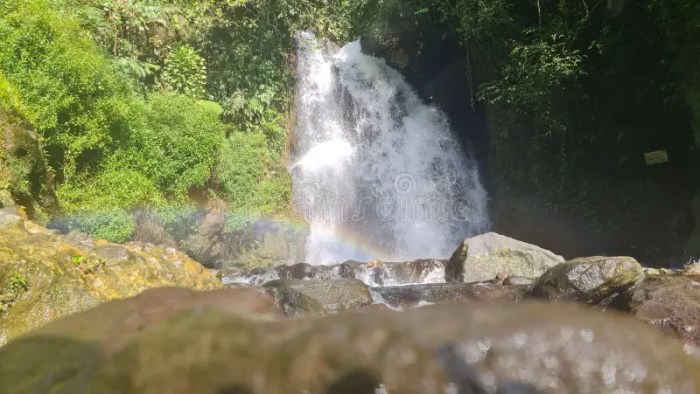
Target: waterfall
(377, 173)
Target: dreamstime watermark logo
(403, 201)
(404, 183)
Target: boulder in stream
(483, 257)
(589, 279)
(313, 297)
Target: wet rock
(315, 272)
(9, 216)
(519, 281)
(301, 271)
(112, 254)
(410, 296)
(375, 274)
(268, 243)
(295, 303)
(149, 229)
(380, 273)
(45, 276)
(80, 240)
(589, 279)
(332, 295)
(539, 346)
(692, 269)
(652, 271)
(482, 257)
(669, 303)
(257, 244)
(206, 246)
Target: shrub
(105, 206)
(248, 176)
(74, 98)
(178, 145)
(184, 72)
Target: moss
(13, 287)
(45, 277)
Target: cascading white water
(376, 172)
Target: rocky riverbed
(499, 316)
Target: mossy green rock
(44, 276)
(207, 348)
(589, 279)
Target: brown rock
(490, 347)
(115, 323)
(669, 303)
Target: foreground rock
(315, 297)
(411, 296)
(589, 279)
(485, 256)
(669, 303)
(375, 273)
(44, 276)
(480, 347)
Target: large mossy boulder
(589, 279)
(212, 349)
(45, 276)
(485, 256)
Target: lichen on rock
(60, 276)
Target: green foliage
(184, 72)
(534, 71)
(77, 260)
(178, 220)
(73, 98)
(81, 73)
(178, 146)
(12, 288)
(11, 105)
(680, 21)
(104, 206)
(137, 33)
(249, 177)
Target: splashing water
(377, 173)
